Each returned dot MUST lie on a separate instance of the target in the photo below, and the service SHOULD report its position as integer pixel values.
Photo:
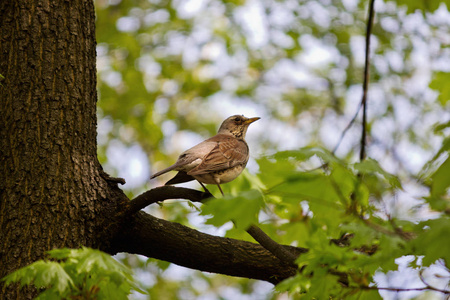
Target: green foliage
(370, 166)
(181, 72)
(242, 209)
(432, 232)
(421, 5)
(441, 180)
(440, 83)
(77, 274)
(333, 212)
(436, 174)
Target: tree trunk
(53, 191)
(48, 129)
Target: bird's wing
(227, 153)
(190, 158)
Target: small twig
(430, 287)
(349, 125)
(362, 153)
(107, 177)
(394, 289)
(363, 103)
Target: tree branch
(363, 103)
(276, 249)
(285, 253)
(173, 242)
(362, 153)
(344, 132)
(164, 193)
(394, 289)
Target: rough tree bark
(50, 183)
(53, 191)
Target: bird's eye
(237, 119)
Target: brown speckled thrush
(217, 160)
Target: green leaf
(323, 285)
(163, 265)
(42, 274)
(370, 166)
(430, 168)
(90, 269)
(344, 182)
(439, 128)
(61, 253)
(390, 248)
(49, 294)
(96, 260)
(242, 209)
(368, 295)
(424, 5)
(306, 153)
(54, 275)
(244, 182)
(295, 284)
(362, 235)
(440, 84)
(441, 179)
(433, 242)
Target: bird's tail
(180, 178)
(163, 171)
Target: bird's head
(236, 125)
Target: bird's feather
(227, 153)
(172, 167)
(180, 178)
(190, 158)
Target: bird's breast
(222, 176)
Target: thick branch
(153, 237)
(284, 253)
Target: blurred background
(169, 72)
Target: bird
(219, 159)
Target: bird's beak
(251, 120)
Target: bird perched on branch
(219, 159)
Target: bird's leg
(204, 187)
(216, 180)
(220, 189)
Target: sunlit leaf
(372, 166)
(413, 5)
(441, 179)
(242, 210)
(92, 270)
(440, 84)
(434, 232)
(42, 274)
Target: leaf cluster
(342, 211)
(336, 211)
(77, 274)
